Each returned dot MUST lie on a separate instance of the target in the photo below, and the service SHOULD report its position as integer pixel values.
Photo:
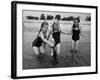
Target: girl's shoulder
(40, 33)
(50, 30)
(80, 27)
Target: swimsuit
(56, 33)
(76, 33)
(37, 42)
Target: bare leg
(36, 50)
(40, 57)
(52, 51)
(73, 44)
(56, 52)
(77, 44)
(58, 48)
(41, 49)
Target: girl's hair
(76, 19)
(55, 23)
(42, 25)
(58, 17)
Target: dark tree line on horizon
(50, 17)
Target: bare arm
(49, 33)
(65, 32)
(72, 30)
(43, 39)
(83, 35)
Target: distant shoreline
(61, 22)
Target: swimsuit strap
(56, 28)
(45, 36)
(40, 29)
(75, 27)
(38, 33)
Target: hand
(51, 44)
(45, 46)
(85, 36)
(52, 40)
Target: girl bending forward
(40, 40)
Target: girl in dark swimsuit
(76, 33)
(37, 44)
(56, 33)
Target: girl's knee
(58, 53)
(36, 51)
(42, 50)
(58, 49)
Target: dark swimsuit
(76, 33)
(37, 42)
(56, 34)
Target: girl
(76, 33)
(37, 44)
(56, 33)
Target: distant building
(42, 17)
(32, 17)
